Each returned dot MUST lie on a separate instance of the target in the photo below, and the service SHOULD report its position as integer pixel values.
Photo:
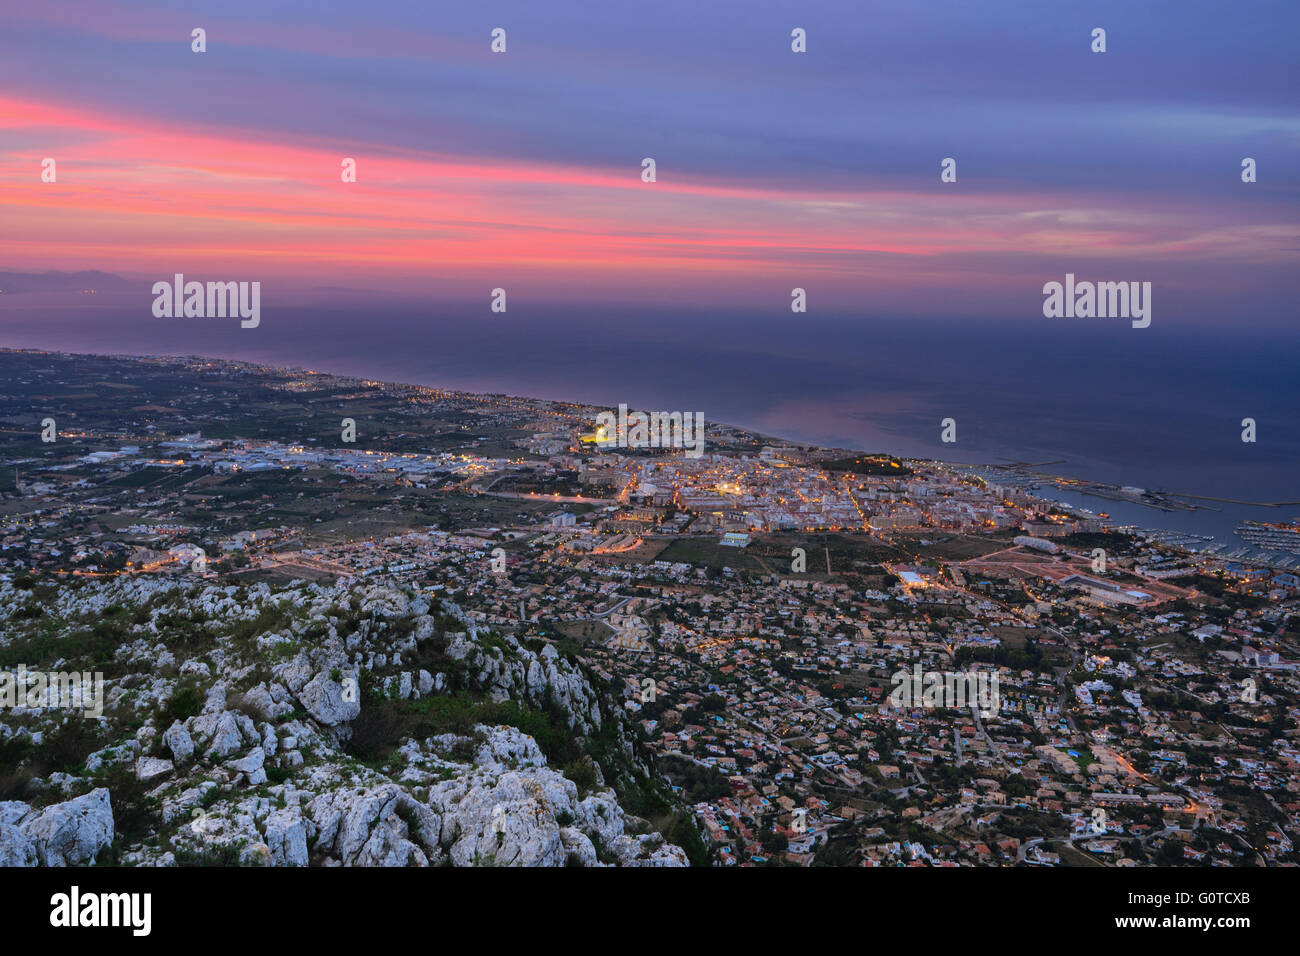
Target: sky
(522, 170)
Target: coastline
(1126, 511)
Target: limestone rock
(16, 847)
(73, 832)
(324, 700)
(178, 740)
(147, 768)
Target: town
(748, 604)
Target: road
(610, 610)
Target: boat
(1277, 537)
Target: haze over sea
(1158, 408)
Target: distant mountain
(11, 282)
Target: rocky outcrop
(384, 826)
(64, 834)
(178, 740)
(16, 847)
(147, 768)
(328, 702)
(263, 771)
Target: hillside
(310, 725)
